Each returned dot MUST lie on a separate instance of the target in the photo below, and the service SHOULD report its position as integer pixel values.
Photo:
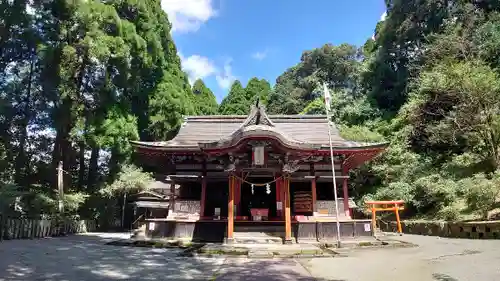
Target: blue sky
(223, 40)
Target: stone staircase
(259, 234)
(256, 238)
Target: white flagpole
(328, 116)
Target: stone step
(260, 254)
(260, 228)
(258, 240)
(138, 233)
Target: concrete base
(288, 241)
(215, 231)
(228, 240)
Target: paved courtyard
(86, 257)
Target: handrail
(138, 218)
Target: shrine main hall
(224, 176)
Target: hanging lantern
(268, 189)
(252, 188)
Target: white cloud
(383, 16)
(225, 78)
(197, 67)
(188, 15)
(260, 55)
(200, 67)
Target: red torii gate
(377, 206)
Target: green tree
(83, 78)
(338, 66)
(459, 103)
(235, 103)
(399, 42)
(204, 100)
(257, 89)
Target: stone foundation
(215, 231)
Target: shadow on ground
(89, 258)
(267, 270)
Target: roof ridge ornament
(257, 116)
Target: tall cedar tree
(204, 101)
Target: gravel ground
(439, 259)
(85, 257)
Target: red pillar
(237, 195)
(313, 192)
(282, 195)
(313, 188)
(203, 189)
(347, 211)
(278, 195)
(203, 195)
(288, 221)
(230, 210)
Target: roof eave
(156, 147)
(359, 146)
(261, 132)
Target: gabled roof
(200, 133)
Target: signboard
(367, 227)
(279, 206)
(258, 155)
(152, 226)
(217, 211)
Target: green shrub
(359, 133)
(449, 213)
(482, 193)
(433, 192)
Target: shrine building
(267, 173)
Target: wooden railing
(136, 223)
(23, 228)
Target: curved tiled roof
(302, 131)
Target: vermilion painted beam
(385, 202)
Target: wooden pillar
(203, 190)
(374, 220)
(282, 196)
(345, 191)
(237, 195)
(172, 198)
(230, 210)
(396, 209)
(288, 219)
(278, 197)
(313, 188)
